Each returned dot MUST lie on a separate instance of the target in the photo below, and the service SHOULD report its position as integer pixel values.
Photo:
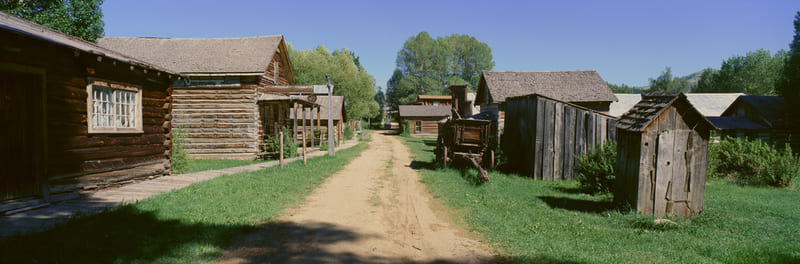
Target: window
(418, 126)
(113, 107)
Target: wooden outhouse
(662, 156)
(543, 136)
(76, 115)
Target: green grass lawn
(530, 221)
(195, 165)
(191, 225)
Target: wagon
(466, 139)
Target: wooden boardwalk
(68, 204)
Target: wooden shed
(76, 115)
(423, 120)
(218, 104)
(662, 156)
(543, 136)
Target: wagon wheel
(491, 159)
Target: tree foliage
(755, 73)
(668, 83)
(788, 83)
(428, 66)
(624, 88)
(79, 18)
(349, 78)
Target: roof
(425, 110)
(735, 122)
(303, 100)
(434, 97)
(709, 104)
(772, 109)
(322, 101)
(567, 86)
(712, 104)
(652, 105)
(625, 103)
(218, 55)
(25, 27)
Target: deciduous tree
(788, 85)
(79, 18)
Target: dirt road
(373, 211)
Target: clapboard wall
(543, 136)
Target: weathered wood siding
(543, 137)
(427, 125)
(220, 121)
(74, 157)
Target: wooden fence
(544, 136)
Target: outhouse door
(22, 135)
(673, 173)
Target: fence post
(302, 112)
(280, 134)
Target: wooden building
(76, 115)
(543, 136)
(423, 99)
(218, 104)
(321, 117)
(583, 88)
(423, 120)
(709, 104)
(662, 156)
(766, 118)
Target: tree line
(428, 66)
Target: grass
(195, 165)
(530, 221)
(191, 225)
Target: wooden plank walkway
(44, 218)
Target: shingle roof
(772, 108)
(219, 55)
(735, 122)
(567, 86)
(25, 27)
(709, 104)
(434, 97)
(425, 110)
(652, 105)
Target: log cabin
(423, 120)
(766, 118)
(76, 115)
(217, 105)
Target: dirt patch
(373, 211)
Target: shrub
(752, 162)
(324, 145)
(595, 170)
(348, 132)
(180, 159)
(274, 144)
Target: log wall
(543, 137)
(74, 157)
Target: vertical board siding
(548, 135)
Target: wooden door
(673, 173)
(21, 135)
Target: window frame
(115, 87)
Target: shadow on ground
(585, 206)
(124, 235)
(284, 242)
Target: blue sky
(625, 41)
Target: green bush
(752, 162)
(180, 158)
(274, 144)
(348, 132)
(595, 170)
